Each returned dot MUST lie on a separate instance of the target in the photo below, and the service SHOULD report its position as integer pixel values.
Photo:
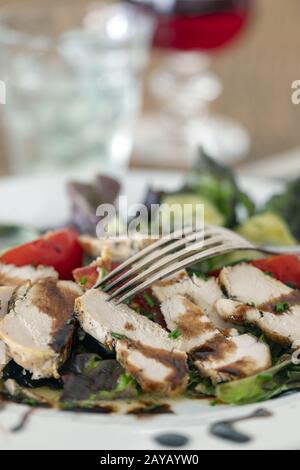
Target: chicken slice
(143, 348)
(260, 300)
(218, 357)
(4, 357)
(6, 293)
(203, 293)
(248, 284)
(120, 250)
(5, 296)
(36, 330)
(11, 275)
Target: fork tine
(138, 256)
(186, 251)
(177, 266)
(153, 256)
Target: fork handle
(280, 250)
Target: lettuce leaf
(287, 205)
(283, 377)
(215, 182)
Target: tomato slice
(87, 276)
(285, 268)
(59, 249)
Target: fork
(171, 254)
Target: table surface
(257, 72)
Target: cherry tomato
(59, 249)
(285, 268)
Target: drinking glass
(73, 89)
(190, 31)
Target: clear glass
(187, 32)
(73, 89)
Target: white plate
(42, 202)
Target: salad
(227, 329)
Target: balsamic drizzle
(225, 429)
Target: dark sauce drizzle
(225, 429)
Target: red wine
(196, 24)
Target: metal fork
(171, 254)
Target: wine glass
(190, 31)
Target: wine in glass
(190, 31)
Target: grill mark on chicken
(203, 293)
(37, 340)
(248, 285)
(236, 369)
(174, 362)
(129, 326)
(292, 299)
(214, 354)
(145, 350)
(56, 302)
(190, 327)
(63, 338)
(215, 348)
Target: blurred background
(256, 71)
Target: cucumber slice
(267, 229)
(211, 214)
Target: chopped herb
(93, 363)
(102, 274)
(30, 402)
(83, 280)
(265, 376)
(175, 334)
(125, 381)
(269, 273)
(150, 301)
(214, 402)
(282, 307)
(117, 336)
(251, 304)
(147, 315)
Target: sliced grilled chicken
(203, 293)
(143, 347)
(248, 284)
(120, 250)
(218, 357)
(260, 300)
(5, 297)
(11, 275)
(6, 293)
(4, 357)
(36, 330)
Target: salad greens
(91, 379)
(217, 184)
(92, 373)
(283, 377)
(287, 206)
